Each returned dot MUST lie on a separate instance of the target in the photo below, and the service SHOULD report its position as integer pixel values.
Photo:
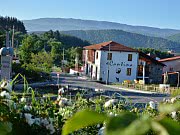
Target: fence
(152, 87)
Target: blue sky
(155, 13)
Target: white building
(111, 61)
(173, 69)
(172, 64)
(114, 62)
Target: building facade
(172, 64)
(173, 70)
(114, 62)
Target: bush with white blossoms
(30, 114)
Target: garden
(83, 113)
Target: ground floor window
(128, 71)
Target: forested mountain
(175, 38)
(67, 40)
(126, 38)
(7, 23)
(65, 24)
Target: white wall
(174, 64)
(95, 64)
(119, 61)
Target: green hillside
(126, 38)
(175, 38)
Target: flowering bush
(78, 115)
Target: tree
(26, 49)
(42, 60)
(71, 54)
(56, 51)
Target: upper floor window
(129, 57)
(96, 55)
(128, 71)
(109, 56)
(171, 69)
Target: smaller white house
(172, 68)
(110, 62)
(172, 64)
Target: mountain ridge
(65, 24)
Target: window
(96, 55)
(129, 57)
(109, 57)
(171, 69)
(140, 70)
(128, 71)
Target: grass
(175, 92)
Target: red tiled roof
(112, 45)
(169, 59)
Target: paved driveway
(135, 97)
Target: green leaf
(135, 128)
(5, 128)
(171, 126)
(158, 128)
(168, 108)
(119, 123)
(82, 119)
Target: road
(135, 97)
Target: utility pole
(107, 79)
(7, 39)
(77, 62)
(16, 48)
(63, 61)
(13, 38)
(144, 64)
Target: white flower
(98, 125)
(173, 115)
(27, 108)
(6, 85)
(58, 98)
(37, 121)
(173, 100)
(152, 105)
(29, 119)
(63, 102)
(164, 99)
(23, 99)
(51, 128)
(42, 101)
(168, 101)
(111, 114)
(101, 131)
(5, 95)
(110, 102)
(44, 122)
(61, 91)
